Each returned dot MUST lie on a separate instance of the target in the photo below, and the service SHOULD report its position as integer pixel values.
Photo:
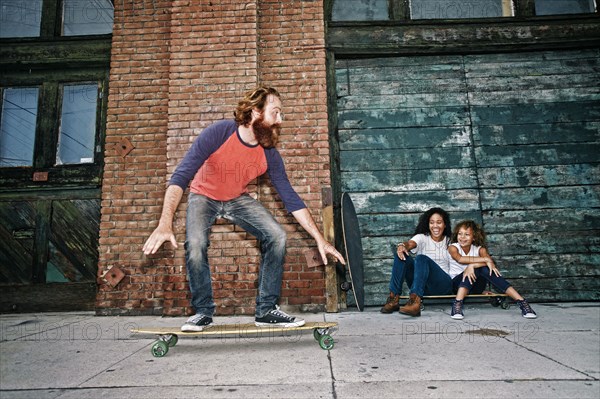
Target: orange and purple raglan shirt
(220, 166)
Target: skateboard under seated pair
(169, 336)
(496, 300)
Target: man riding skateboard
(220, 164)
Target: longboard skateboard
(495, 299)
(169, 336)
(354, 252)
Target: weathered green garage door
(511, 140)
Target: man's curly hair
(256, 98)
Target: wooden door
(510, 140)
(48, 254)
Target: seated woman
(428, 272)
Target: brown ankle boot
(392, 304)
(413, 306)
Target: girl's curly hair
(479, 237)
(423, 225)
(256, 98)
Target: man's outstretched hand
(158, 237)
(326, 248)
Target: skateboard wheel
(172, 340)
(317, 334)
(326, 342)
(346, 286)
(159, 349)
(496, 301)
(505, 304)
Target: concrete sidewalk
(492, 353)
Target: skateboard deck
(354, 251)
(169, 336)
(454, 296)
(494, 298)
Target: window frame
(2, 98)
(402, 36)
(399, 11)
(48, 61)
(59, 30)
(51, 24)
(61, 122)
(47, 130)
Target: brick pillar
(291, 57)
(133, 184)
(213, 63)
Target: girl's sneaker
(526, 310)
(457, 313)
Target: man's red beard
(267, 135)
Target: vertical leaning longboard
(354, 252)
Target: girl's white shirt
(457, 268)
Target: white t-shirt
(437, 251)
(457, 268)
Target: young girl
(470, 261)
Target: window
(18, 122)
(360, 10)
(87, 17)
(52, 126)
(76, 139)
(555, 7)
(40, 18)
(53, 101)
(20, 18)
(455, 9)
(382, 10)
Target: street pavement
(492, 353)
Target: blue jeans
(401, 270)
(477, 288)
(423, 276)
(249, 214)
(482, 275)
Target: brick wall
(178, 66)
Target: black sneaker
(278, 318)
(197, 322)
(526, 310)
(457, 313)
